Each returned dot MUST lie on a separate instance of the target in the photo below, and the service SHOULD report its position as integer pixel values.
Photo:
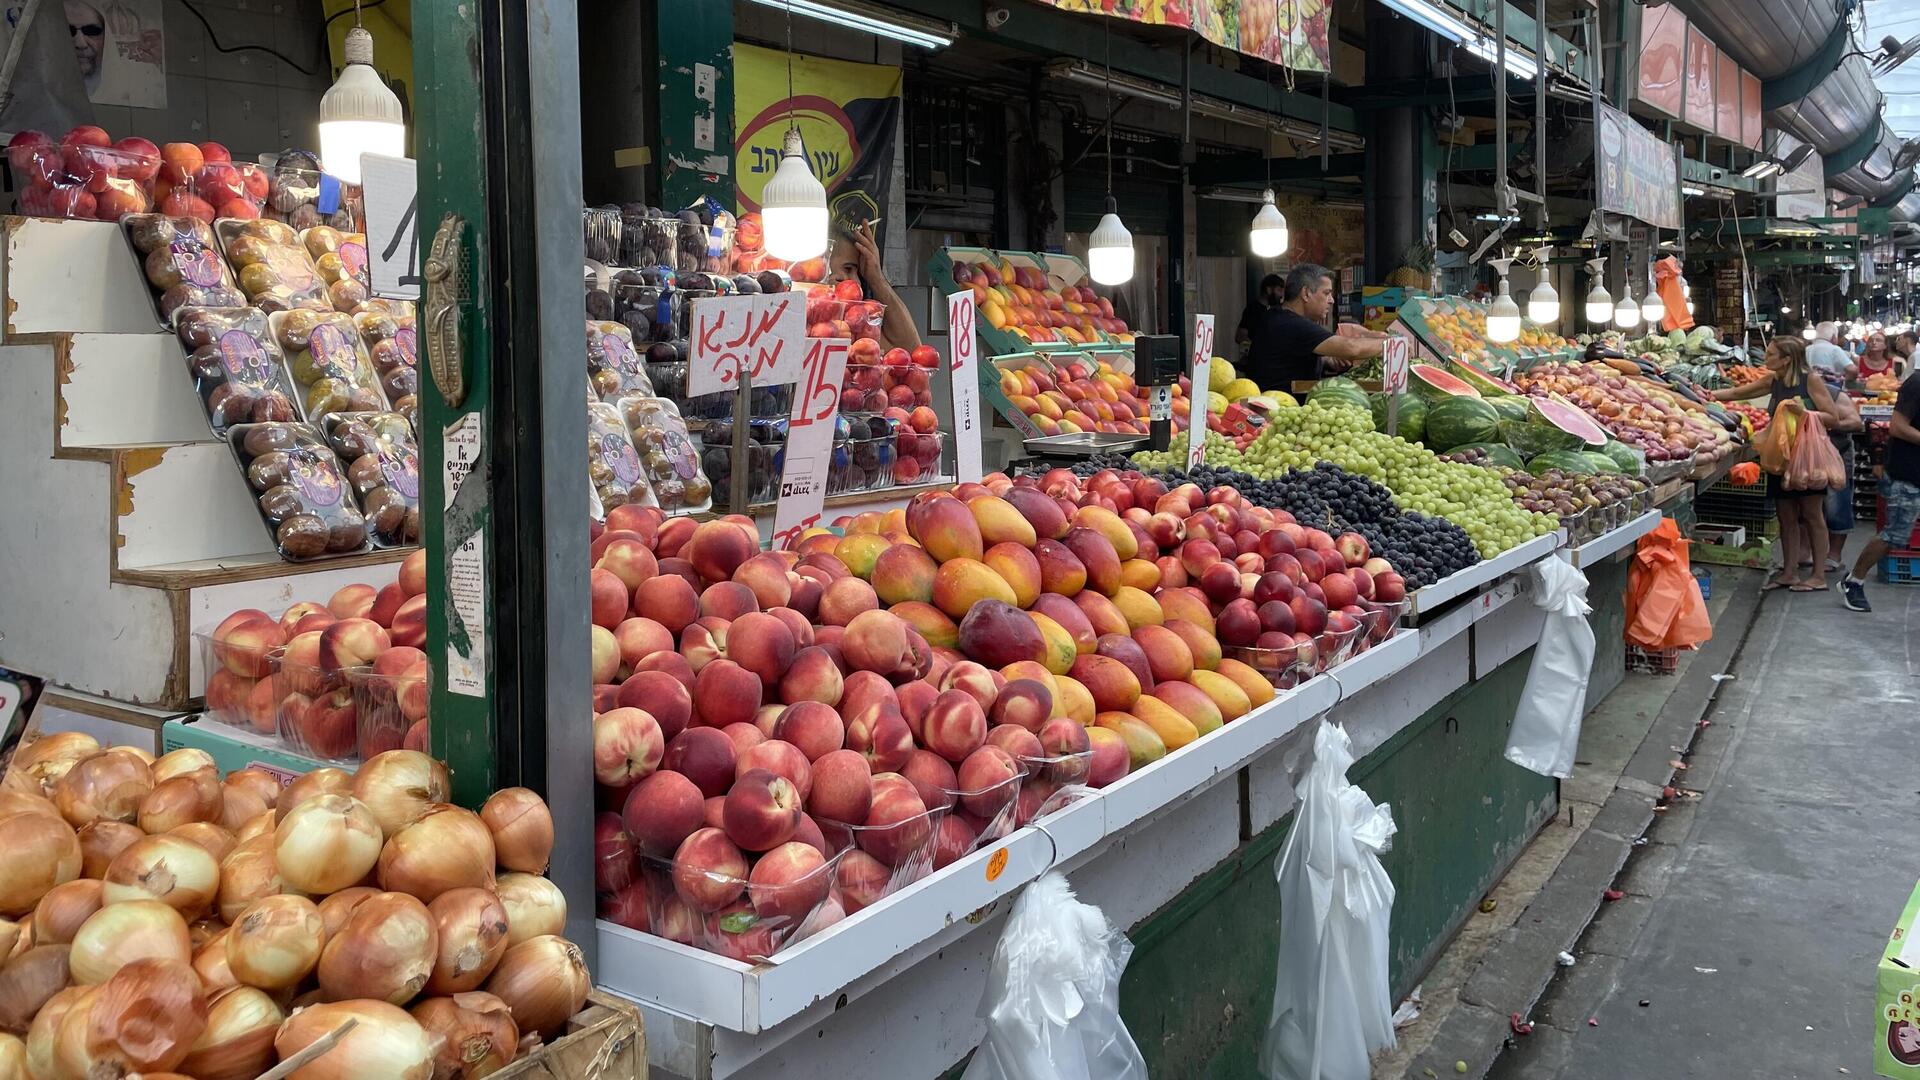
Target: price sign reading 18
(1197, 397)
(760, 337)
(809, 453)
(965, 371)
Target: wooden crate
(604, 1041)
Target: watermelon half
(1569, 418)
(1483, 380)
(1457, 421)
(1511, 408)
(1530, 437)
(1436, 384)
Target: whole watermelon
(1567, 461)
(1528, 438)
(1458, 421)
(1338, 391)
(1510, 407)
(1497, 454)
(1413, 415)
(1602, 463)
(1623, 456)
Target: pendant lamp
(1543, 304)
(1653, 309)
(1269, 233)
(1599, 301)
(1503, 315)
(1626, 313)
(1110, 248)
(360, 113)
(793, 206)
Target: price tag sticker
(390, 187)
(809, 453)
(964, 369)
(1197, 398)
(1395, 358)
(761, 337)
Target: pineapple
(1416, 268)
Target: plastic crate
(1901, 568)
(1653, 661)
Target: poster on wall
(1726, 98)
(1697, 104)
(120, 48)
(847, 118)
(1750, 123)
(1802, 193)
(1663, 48)
(1639, 171)
(1289, 32)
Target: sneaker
(1854, 595)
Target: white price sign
(1197, 397)
(390, 187)
(1395, 357)
(816, 403)
(964, 370)
(761, 337)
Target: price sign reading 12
(1395, 352)
(965, 373)
(1197, 397)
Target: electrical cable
(217, 47)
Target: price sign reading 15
(758, 337)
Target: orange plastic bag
(1745, 474)
(1775, 445)
(1664, 607)
(1815, 465)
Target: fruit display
(1650, 418)
(666, 453)
(841, 311)
(1236, 407)
(163, 920)
(389, 332)
(699, 238)
(84, 175)
(300, 489)
(1022, 303)
(1570, 495)
(896, 379)
(614, 370)
(1756, 417)
(329, 362)
(271, 265)
(383, 465)
(1067, 393)
(1455, 329)
(341, 259)
(237, 367)
(181, 260)
(1337, 427)
(294, 188)
(613, 465)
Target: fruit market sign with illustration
(846, 116)
(759, 338)
(1290, 32)
(1639, 172)
(816, 405)
(965, 374)
(1202, 363)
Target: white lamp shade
(1599, 306)
(1503, 317)
(1653, 309)
(1626, 313)
(1269, 233)
(793, 207)
(1808, 332)
(360, 113)
(1543, 304)
(1110, 252)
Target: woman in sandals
(1802, 513)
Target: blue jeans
(1839, 505)
(1902, 501)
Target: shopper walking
(1825, 354)
(1802, 513)
(1838, 511)
(1899, 494)
(1271, 288)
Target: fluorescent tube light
(924, 33)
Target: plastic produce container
(237, 367)
(300, 490)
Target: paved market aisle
(1746, 944)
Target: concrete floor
(1747, 941)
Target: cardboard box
(233, 749)
(1896, 1029)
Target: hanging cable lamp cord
(1106, 32)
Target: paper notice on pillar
(121, 49)
(809, 453)
(964, 370)
(1197, 398)
(467, 618)
(460, 452)
(759, 338)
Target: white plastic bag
(1331, 1005)
(1546, 726)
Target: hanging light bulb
(1599, 301)
(1689, 307)
(1653, 309)
(1110, 250)
(360, 113)
(1543, 304)
(793, 206)
(1626, 313)
(1503, 316)
(1808, 332)
(1269, 233)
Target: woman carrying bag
(1801, 509)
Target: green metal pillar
(693, 46)
(1402, 166)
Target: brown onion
(399, 786)
(239, 805)
(448, 848)
(535, 906)
(61, 912)
(472, 928)
(180, 762)
(178, 801)
(326, 843)
(522, 829)
(248, 873)
(144, 755)
(22, 941)
(14, 802)
(260, 824)
(322, 781)
(13, 1057)
(70, 1054)
(45, 1026)
(146, 1017)
(276, 942)
(217, 841)
(385, 951)
(121, 933)
(238, 1042)
(27, 982)
(473, 1033)
(385, 1044)
(258, 782)
(201, 931)
(335, 908)
(544, 980)
(38, 765)
(11, 933)
(107, 786)
(210, 963)
(36, 853)
(175, 871)
(101, 841)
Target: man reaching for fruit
(854, 264)
(1291, 342)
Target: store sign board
(1662, 59)
(1292, 33)
(1197, 399)
(1696, 106)
(1726, 98)
(1639, 171)
(964, 372)
(816, 404)
(761, 338)
(847, 113)
(390, 187)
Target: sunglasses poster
(120, 48)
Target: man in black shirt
(1291, 342)
(1271, 288)
(1899, 493)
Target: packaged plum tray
(271, 265)
(300, 489)
(182, 264)
(237, 368)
